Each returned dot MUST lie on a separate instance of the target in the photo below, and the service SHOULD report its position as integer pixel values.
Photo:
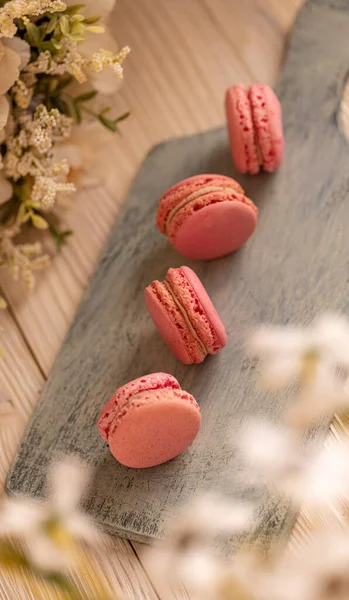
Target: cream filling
(201, 192)
(186, 318)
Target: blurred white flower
(87, 151)
(315, 476)
(316, 358)
(186, 555)
(319, 570)
(13, 56)
(6, 190)
(21, 47)
(105, 81)
(209, 516)
(49, 528)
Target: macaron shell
(267, 118)
(155, 429)
(241, 130)
(172, 327)
(275, 124)
(183, 189)
(153, 381)
(207, 305)
(194, 298)
(216, 230)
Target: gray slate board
(295, 265)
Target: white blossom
(312, 475)
(38, 523)
(316, 358)
(6, 190)
(88, 151)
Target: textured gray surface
(295, 265)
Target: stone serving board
(296, 265)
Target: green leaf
(122, 117)
(39, 222)
(64, 83)
(78, 19)
(77, 29)
(95, 28)
(108, 123)
(62, 106)
(92, 20)
(33, 34)
(22, 215)
(60, 236)
(52, 85)
(56, 44)
(64, 25)
(105, 110)
(76, 37)
(48, 45)
(86, 96)
(74, 9)
(52, 24)
(75, 112)
(32, 204)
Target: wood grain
(112, 338)
(155, 79)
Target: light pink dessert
(149, 421)
(255, 128)
(206, 216)
(185, 316)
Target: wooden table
(184, 55)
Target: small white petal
(199, 571)
(19, 517)
(9, 68)
(21, 47)
(4, 111)
(327, 477)
(6, 189)
(268, 450)
(82, 528)
(271, 340)
(280, 371)
(105, 82)
(46, 556)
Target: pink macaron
(255, 128)
(206, 216)
(185, 316)
(149, 421)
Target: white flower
(314, 476)
(14, 55)
(87, 151)
(186, 555)
(6, 190)
(21, 47)
(317, 358)
(4, 113)
(105, 81)
(208, 516)
(320, 569)
(47, 528)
